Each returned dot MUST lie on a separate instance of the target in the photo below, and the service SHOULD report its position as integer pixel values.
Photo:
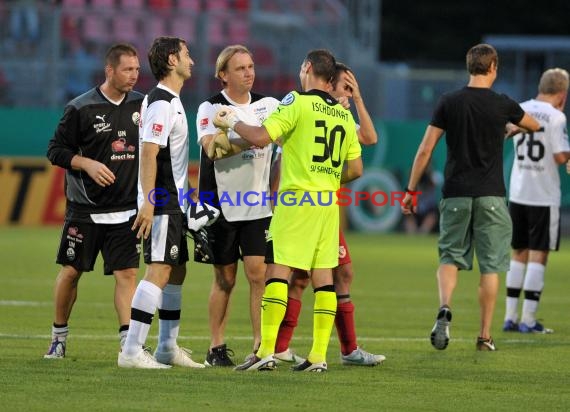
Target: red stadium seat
(125, 28)
(183, 27)
(102, 4)
(213, 5)
(241, 5)
(154, 28)
(238, 31)
(132, 4)
(193, 5)
(215, 31)
(95, 28)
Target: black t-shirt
(474, 121)
(94, 127)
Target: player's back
(318, 135)
(534, 177)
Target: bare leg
(65, 293)
(255, 268)
(446, 282)
(488, 289)
(125, 286)
(219, 301)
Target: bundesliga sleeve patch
(156, 129)
(203, 123)
(287, 100)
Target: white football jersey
(535, 180)
(163, 122)
(246, 173)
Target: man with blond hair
(239, 232)
(534, 196)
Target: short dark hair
(161, 49)
(323, 62)
(114, 53)
(339, 68)
(480, 58)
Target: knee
(343, 275)
(225, 282)
(126, 276)
(69, 274)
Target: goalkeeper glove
(200, 215)
(226, 118)
(202, 249)
(219, 146)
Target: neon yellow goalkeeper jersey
(318, 135)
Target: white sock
(169, 317)
(533, 285)
(145, 301)
(514, 283)
(59, 332)
(123, 336)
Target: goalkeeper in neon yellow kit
(320, 151)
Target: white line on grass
(207, 338)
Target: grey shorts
(475, 225)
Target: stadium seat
(193, 5)
(125, 28)
(242, 5)
(183, 27)
(214, 5)
(160, 5)
(95, 28)
(153, 28)
(132, 4)
(102, 4)
(263, 55)
(73, 3)
(215, 31)
(239, 30)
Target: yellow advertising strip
(31, 191)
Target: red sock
(344, 322)
(288, 325)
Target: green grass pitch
(396, 300)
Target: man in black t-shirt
(473, 213)
(96, 141)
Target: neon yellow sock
(323, 320)
(273, 306)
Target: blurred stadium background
(52, 51)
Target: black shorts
(230, 241)
(535, 227)
(167, 241)
(81, 242)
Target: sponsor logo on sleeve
(203, 123)
(287, 100)
(156, 129)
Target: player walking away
(239, 232)
(534, 196)
(96, 141)
(312, 169)
(474, 216)
(161, 219)
(344, 84)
